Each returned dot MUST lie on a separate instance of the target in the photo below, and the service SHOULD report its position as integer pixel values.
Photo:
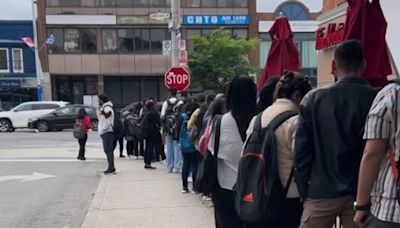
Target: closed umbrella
(283, 54)
(365, 22)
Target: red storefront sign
(330, 35)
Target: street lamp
(37, 59)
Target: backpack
(171, 119)
(185, 141)
(79, 130)
(207, 177)
(259, 194)
(134, 126)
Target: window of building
(209, 3)
(225, 3)
(190, 35)
(294, 11)
(109, 40)
(70, 3)
(4, 64)
(88, 40)
(240, 33)
(108, 3)
(140, 3)
(58, 46)
(125, 40)
(193, 3)
(157, 3)
(157, 37)
(72, 40)
(240, 3)
(124, 3)
(142, 41)
(18, 60)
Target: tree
(218, 58)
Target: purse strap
(217, 135)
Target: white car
(18, 117)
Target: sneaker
(170, 171)
(110, 172)
(176, 171)
(185, 190)
(81, 158)
(121, 156)
(149, 167)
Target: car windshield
(65, 111)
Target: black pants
(190, 163)
(138, 145)
(130, 147)
(82, 145)
(159, 151)
(151, 145)
(293, 209)
(121, 144)
(108, 146)
(224, 209)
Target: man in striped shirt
(376, 204)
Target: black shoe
(121, 156)
(149, 167)
(110, 172)
(81, 158)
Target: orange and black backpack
(258, 192)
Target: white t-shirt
(105, 124)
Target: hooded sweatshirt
(105, 124)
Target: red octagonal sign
(177, 78)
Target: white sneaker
(184, 191)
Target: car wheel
(5, 125)
(43, 126)
(94, 125)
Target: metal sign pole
(175, 10)
(37, 59)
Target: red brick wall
(331, 4)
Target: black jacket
(329, 144)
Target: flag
(51, 40)
(28, 41)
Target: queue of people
(314, 155)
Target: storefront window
(109, 40)
(240, 3)
(150, 87)
(225, 3)
(193, 3)
(209, 3)
(125, 40)
(71, 40)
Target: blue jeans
(173, 153)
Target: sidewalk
(137, 198)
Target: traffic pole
(37, 59)
(175, 34)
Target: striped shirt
(382, 123)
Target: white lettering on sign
(174, 79)
(199, 20)
(214, 19)
(190, 19)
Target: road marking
(25, 178)
(46, 160)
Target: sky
(15, 10)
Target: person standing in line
(106, 116)
(329, 141)
(131, 127)
(378, 196)
(289, 92)
(151, 127)
(169, 115)
(241, 103)
(85, 122)
(119, 134)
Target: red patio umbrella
(365, 22)
(283, 54)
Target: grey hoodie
(105, 124)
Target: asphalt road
(41, 182)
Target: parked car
(18, 117)
(62, 118)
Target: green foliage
(218, 58)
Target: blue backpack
(187, 145)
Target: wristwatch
(365, 207)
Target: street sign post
(177, 78)
(167, 47)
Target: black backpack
(259, 194)
(134, 126)
(171, 119)
(207, 177)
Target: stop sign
(177, 78)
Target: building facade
(302, 17)
(114, 46)
(17, 64)
(331, 32)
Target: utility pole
(37, 59)
(176, 30)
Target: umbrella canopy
(283, 54)
(365, 22)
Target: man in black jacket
(329, 143)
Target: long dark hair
(242, 101)
(290, 83)
(81, 114)
(267, 94)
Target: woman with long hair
(151, 127)
(289, 92)
(241, 105)
(84, 120)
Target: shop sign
(14, 84)
(138, 20)
(330, 35)
(216, 20)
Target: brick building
(113, 46)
